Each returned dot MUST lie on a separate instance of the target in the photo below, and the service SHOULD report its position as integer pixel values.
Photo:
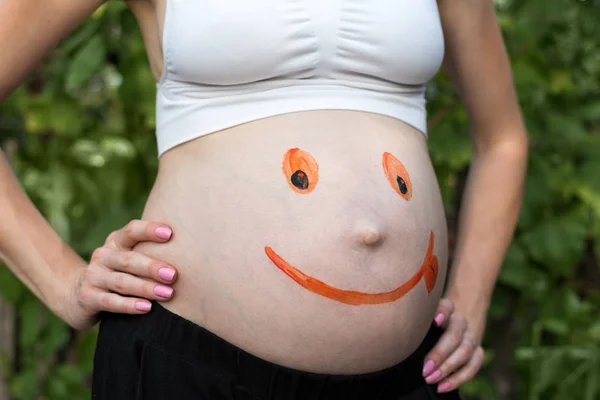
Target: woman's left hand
(458, 355)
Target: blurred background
(80, 135)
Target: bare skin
(72, 288)
(476, 61)
(229, 285)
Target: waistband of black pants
(198, 346)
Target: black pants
(161, 355)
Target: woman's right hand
(118, 279)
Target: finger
(465, 374)
(129, 285)
(114, 303)
(139, 231)
(459, 357)
(134, 263)
(444, 310)
(448, 342)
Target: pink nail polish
(443, 387)
(142, 306)
(439, 319)
(163, 291)
(163, 233)
(433, 377)
(166, 273)
(428, 368)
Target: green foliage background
(86, 155)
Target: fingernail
(163, 291)
(439, 319)
(163, 233)
(142, 306)
(443, 387)
(428, 368)
(433, 377)
(166, 273)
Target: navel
(371, 237)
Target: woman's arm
(69, 286)
(72, 288)
(478, 65)
(41, 266)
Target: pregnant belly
(315, 240)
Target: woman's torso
(231, 205)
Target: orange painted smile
(302, 174)
(428, 271)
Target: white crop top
(227, 62)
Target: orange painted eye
(397, 175)
(301, 170)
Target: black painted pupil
(402, 185)
(300, 180)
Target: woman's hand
(458, 355)
(118, 279)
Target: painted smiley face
(302, 174)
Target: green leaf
(556, 326)
(539, 194)
(528, 76)
(82, 35)
(87, 349)
(597, 247)
(87, 61)
(591, 111)
(566, 129)
(57, 388)
(30, 317)
(63, 119)
(87, 152)
(588, 174)
(557, 244)
(549, 370)
(594, 331)
(575, 305)
(515, 271)
(70, 373)
(24, 386)
(11, 288)
(58, 200)
(561, 81)
(118, 146)
(501, 304)
(99, 230)
(56, 335)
